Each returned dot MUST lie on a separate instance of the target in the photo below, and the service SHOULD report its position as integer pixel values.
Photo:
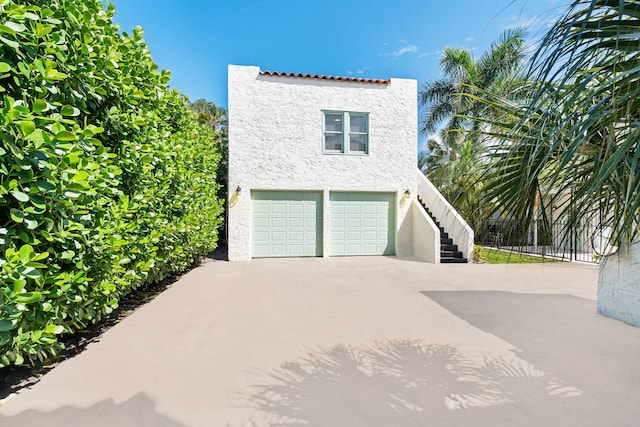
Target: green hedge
(107, 181)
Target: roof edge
(323, 77)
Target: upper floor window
(346, 132)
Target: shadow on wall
(135, 412)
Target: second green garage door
(362, 223)
(286, 223)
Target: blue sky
(197, 39)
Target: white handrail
(459, 231)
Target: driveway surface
(365, 341)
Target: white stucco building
(619, 285)
(326, 166)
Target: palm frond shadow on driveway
(582, 355)
(406, 383)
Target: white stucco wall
(276, 143)
(619, 286)
(426, 243)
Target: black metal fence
(575, 245)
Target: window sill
(337, 153)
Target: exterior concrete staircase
(449, 253)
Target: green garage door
(286, 223)
(362, 223)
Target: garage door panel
(372, 209)
(261, 236)
(296, 236)
(370, 247)
(337, 223)
(338, 209)
(286, 223)
(338, 236)
(276, 250)
(278, 222)
(353, 248)
(260, 208)
(354, 235)
(372, 222)
(297, 209)
(354, 222)
(278, 209)
(354, 209)
(362, 223)
(261, 222)
(278, 236)
(372, 236)
(296, 222)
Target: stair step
(450, 254)
(452, 260)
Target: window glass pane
(358, 143)
(333, 141)
(333, 122)
(358, 123)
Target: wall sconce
(407, 194)
(238, 190)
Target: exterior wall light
(238, 190)
(407, 193)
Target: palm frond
(502, 59)
(577, 141)
(457, 64)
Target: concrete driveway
(369, 341)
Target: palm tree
(578, 131)
(452, 161)
(444, 99)
(435, 159)
(574, 142)
(209, 114)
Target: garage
(362, 223)
(286, 223)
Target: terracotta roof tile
(323, 77)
